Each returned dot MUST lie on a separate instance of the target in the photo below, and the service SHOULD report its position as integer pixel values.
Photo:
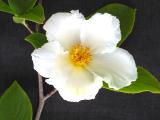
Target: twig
(42, 97)
(50, 94)
(41, 101)
(28, 28)
(40, 87)
(37, 27)
(39, 110)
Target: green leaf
(21, 6)
(125, 14)
(36, 14)
(145, 82)
(36, 39)
(5, 8)
(18, 20)
(15, 104)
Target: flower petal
(101, 33)
(43, 58)
(74, 83)
(117, 68)
(64, 27)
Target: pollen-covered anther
(80, 55)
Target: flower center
(80, 55)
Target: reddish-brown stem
(39, 110)
(50, 94)
(40, 86)
(42, 98)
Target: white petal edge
(74, 84)
(43, 58)
(117, 68)
(101, 33)
(64, 27)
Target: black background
(143, 43)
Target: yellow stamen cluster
(80, 55)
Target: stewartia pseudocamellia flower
(81, 54)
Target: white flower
(81, 54)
